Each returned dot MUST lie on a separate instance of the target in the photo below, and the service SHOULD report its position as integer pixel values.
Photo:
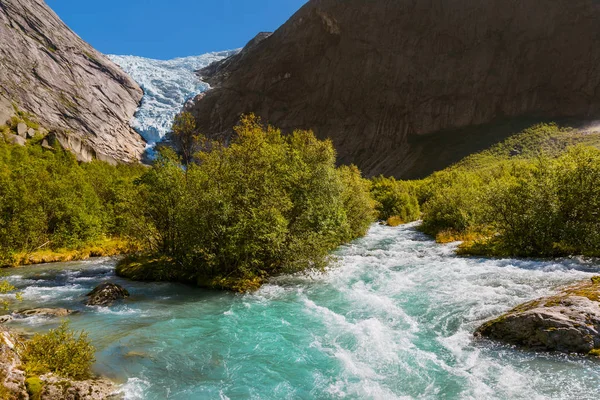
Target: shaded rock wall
(394, 82)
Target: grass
(103, 248)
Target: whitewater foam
(393, 319)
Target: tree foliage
(62, 351)
(542, 203)
(266, 204)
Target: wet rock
(14, 139)
(22, 129)
(6, 318)
(106, 294)
(45, 312)
(568, 322)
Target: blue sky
(166, 29)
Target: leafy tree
(186, 137)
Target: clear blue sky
(171, 28)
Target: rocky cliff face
(395, 83)
(70, 88)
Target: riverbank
(393, 318)
(103, 248)
(15, 384)
(145, 268)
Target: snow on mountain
(167, 85)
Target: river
(393, 318)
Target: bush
(395, 199)
(266, 204)
(50, 201)
(510, 200)
(61, 351)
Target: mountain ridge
(395, 83)
(75, 92)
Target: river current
(392, 319)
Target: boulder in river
(45, 312)
(106, 294)
(568, 322)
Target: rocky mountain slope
(70, 88)
(404, 87)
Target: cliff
(70, 88)
(404, 87)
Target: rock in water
(45, 312)
(402, 86)
(568, 322)
(69, 87)
(106, 294)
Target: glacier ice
(167, 85)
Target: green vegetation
(61, 351)
(396, 201)
(34, 387)
(53, 208)
(535, 194)
(264, 205)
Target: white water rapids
(392, 320)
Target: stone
(106, 294)
(92, 389)
(85, 96)
(405, 87)
(568, 322)
(6, 318)
(45, 312)
(46, 146)
(14, 139)
(22, 130)
(30, 133)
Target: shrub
(266, 204)
(61, 351)
(395, 199)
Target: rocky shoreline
(568, 322)
(15, 384)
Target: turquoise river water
(392, 319)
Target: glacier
(167, 85)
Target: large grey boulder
(22, 130)
(68, 86)
(568, 322)
(14, 139)
(106, 294)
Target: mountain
(404, 87)
(72, 90)
(167, 85)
